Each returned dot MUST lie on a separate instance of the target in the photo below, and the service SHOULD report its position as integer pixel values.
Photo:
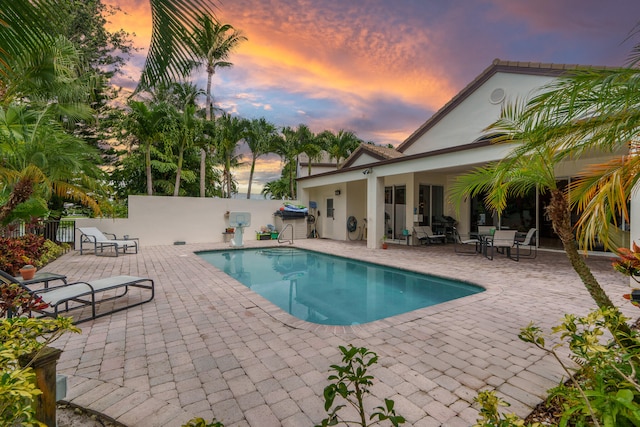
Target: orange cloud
(348, 51)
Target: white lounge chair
(101, 242)
(425, 235)
(79, 295)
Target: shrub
(27, 249)
(19, 337)
(604, 390)
(352, 384)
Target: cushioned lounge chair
(424, 234)
(100, 242)
(87, 295)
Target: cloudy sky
(382, 67)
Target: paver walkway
(208, 346)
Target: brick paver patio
(208, 346)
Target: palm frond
(25, 25)
(601, 196)
(171, 53)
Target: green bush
(604, 388)
(19, 337)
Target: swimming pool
(332, 290)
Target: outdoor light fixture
(367, 171)
(337, 192)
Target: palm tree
(259, 136)
(39, 158)
(212, 44)
(229, 132)
(286, 145)
(276, 189)
(187, 127)
(340, 145)
(531, 165)
(144, 124)
(593, 111)
(516, 175)
(182, 123)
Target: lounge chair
(528, 243)
(100, 242)
(465, 246)
(79, 295)
(424, 234)
(502, 241)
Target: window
(330, 209)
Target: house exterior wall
(447, 145)
(467, 121)
(356, 205)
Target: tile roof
(378, 152)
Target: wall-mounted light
(367, 171)
(337, 193)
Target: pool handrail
(280, 240)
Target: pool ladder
(281, 240)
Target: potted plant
(27, 272)
(384, 242)
(28, 362)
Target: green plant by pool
(332, 290)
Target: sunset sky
(382, 67)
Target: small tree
(352, 384)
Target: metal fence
(59, 231)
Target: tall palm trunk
(253, 167)
(203, 172)
(227, 172)
(560, 214)
(148, 169)
(176, 188)
(203, 151)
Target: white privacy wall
(163, 220)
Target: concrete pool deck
(207, 346)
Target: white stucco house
(396, 189)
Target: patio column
(634, 214)
(634, 221)
(375, 210)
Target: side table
(42, 277)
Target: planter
(44, 366)
(384, 245)
(28, 273)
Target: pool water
(331, 290)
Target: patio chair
(100, 242)
(89, 294)
(465, 246)
(528, 243)
(424, 234)
(502, 241)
